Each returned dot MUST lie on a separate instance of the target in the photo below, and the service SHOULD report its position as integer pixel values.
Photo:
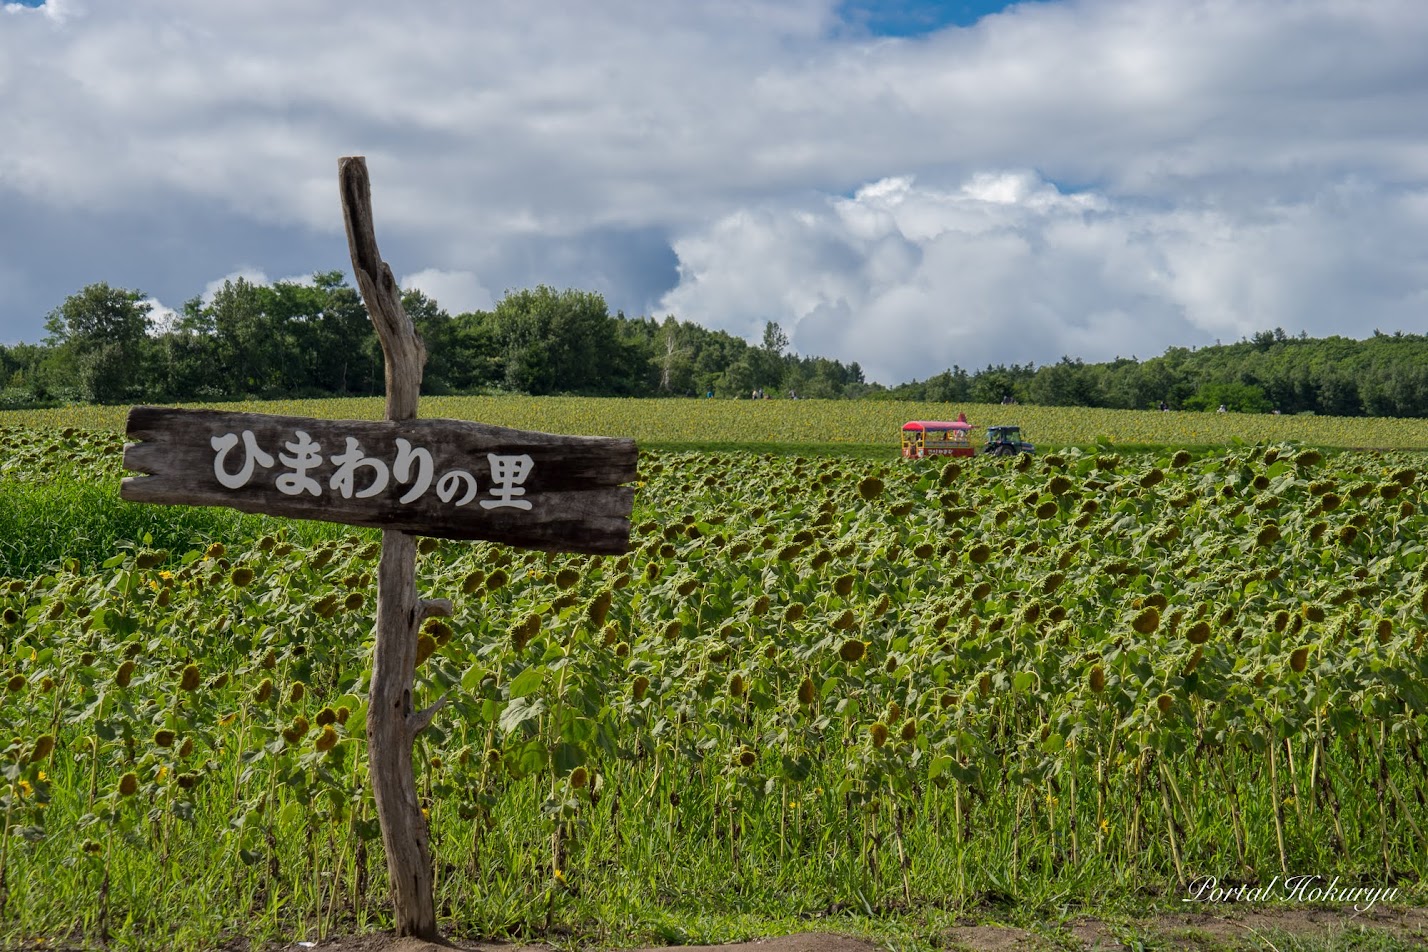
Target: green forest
(298, 340)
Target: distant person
(1164, 406)
(1222, 409)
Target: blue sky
(915, 17)
(1089, 178)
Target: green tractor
(1006, 441)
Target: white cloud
(1152, 171)
(161, 316)
(56, 11)
(251, 275)
(456, 291)
(1005, 268)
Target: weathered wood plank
(428, 477)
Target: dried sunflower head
(44, 746)
(806, 691)
(852, 650)
(191, 679)
(297, 730)
(1147, 620)
(1198, 633)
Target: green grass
(44, 525)
(733, 423)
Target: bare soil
(1203, 930)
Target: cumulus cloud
(1006, 268)
(56, 11)
(250, 275)
(1148, 170)
(161, 316)
(457, 291)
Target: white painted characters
(412, 467)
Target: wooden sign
(448, 478)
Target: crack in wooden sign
(448, 478)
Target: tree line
(292, 339)
(312, 339)
(1383, 375)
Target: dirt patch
(386, 942)
(382, 942)
(1225, 928)
(992, 938)
(1249, 926)
(1095, 934)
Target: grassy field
(841, 426)
(872, 694)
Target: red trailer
(922, 438)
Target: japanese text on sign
(412, 466)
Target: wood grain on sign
(448, 478)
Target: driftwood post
(392, 724)
(455, 479)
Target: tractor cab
(1006, 441)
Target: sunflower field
(816, 686)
